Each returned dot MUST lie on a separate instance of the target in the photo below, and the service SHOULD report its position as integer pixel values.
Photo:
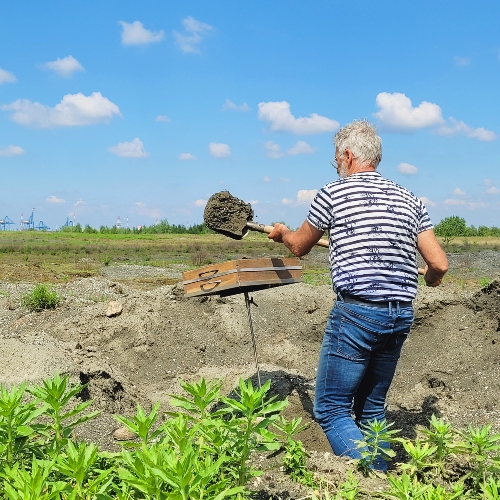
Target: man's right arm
(434, 257)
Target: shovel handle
(262, 228)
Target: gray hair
(361, 137)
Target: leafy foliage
(41, 297)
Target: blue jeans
(358, 358)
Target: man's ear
(348, 157)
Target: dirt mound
(449, 366)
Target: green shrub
(40, 298)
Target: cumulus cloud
(407, 169)
(193, 35)
(493, 190)
(254, 202)
(11, 151)
(64, 67)
(133, 149)
(488, 182)
(397, 113)
(231, 106)
(461, 61)
(458, 192)
(427, 202)
(162, 118)
(136, 34)
(304, 196)
(74, 110)
(301, 148)
(80, 203)
(266, 178)
(455, 127)
(200, 203)
(54, 200)
(7, 76)
(454, 202)
(273, 150)
(278, 115)
(187, 156)
(219, 150)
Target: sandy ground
(450, 364)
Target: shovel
(233, 217)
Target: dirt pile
(450, 364)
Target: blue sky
(143, 110)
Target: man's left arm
(298, 242)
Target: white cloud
(200, 203)
(488, 182)
(136, 34)
(162, 118)
(284, 179)
(142, 209)
(427, 202)
(281, 119)
(301, 148)
(219, 150)
(192, 36)
(306, 196)
(254, 202)
(454, 127)
(55, 200)
(133, 149)
(458, 192)
(73, 110)
(407, 169)
(187, 156)
(266, 178)
(12, 151)
(64, 67)
(462, 61)
(478, 205)
(273, 150)
(397, 113)
(229, 105)
(493, 190)
(7, 76)
(80, 203)
(454, 202)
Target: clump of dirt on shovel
(227, 215)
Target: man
(376, 227)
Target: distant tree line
(454, 226)
(161, 227)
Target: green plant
(41, 297)
(294, 459)
(55, 395)
(441, 436)
(377, 436)
(481, 445)
(484, 282)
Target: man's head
(361, 139)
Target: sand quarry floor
(450, 365)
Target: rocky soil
(450, 364)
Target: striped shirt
(373, 224)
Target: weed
(484, 282)
(41, 297)
(376, 444)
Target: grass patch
(40, 298)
